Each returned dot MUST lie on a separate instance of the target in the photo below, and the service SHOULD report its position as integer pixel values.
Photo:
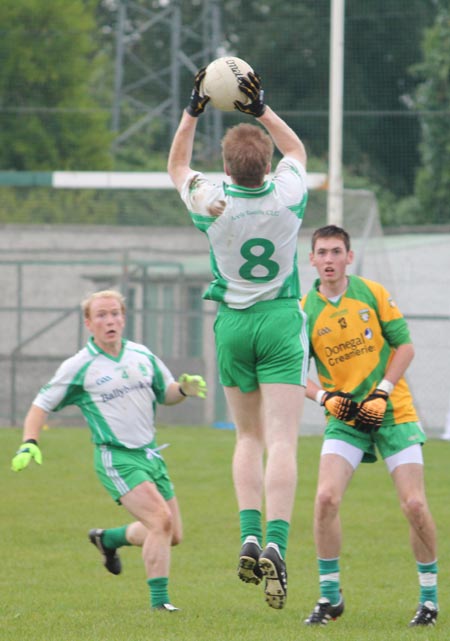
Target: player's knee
(327, 502)
(166, 522)
(160, 521)
(414, 508)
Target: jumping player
(252, 226)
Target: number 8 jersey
(253, 243)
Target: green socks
(115, 537)
(278, 532)
(158, 591)
(329, 579)
(250, 522)
(428, 582)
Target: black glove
(197, 102)
(371, 411)
(250, 85)
(340, 405)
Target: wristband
(181, 391)
(31, 440)
(319, 396)
(386, 386)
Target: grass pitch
(54, 588)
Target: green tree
(48, 117)
(433, 100)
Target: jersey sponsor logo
(353, 348)
(102, 380)
(323, 330)
(256, 212)
(364, 314)
(368, 333)
(120, 392)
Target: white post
(335, 123)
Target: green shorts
(265, 343)
(120, 470)
(389, 440)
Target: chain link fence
(46, 271)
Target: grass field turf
(54, 588)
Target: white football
(221, 82)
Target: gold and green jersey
(353, 339)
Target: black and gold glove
(250, 85)
(197, 102)
(371, 411)
(340, 405)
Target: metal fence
(41, 322)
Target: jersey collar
(95, 350)
(248, 192)
(316, 286)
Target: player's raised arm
(285, 138)
(180, 154)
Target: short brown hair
(331, 231)
(104, 293)
(247, 151)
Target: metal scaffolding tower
(191, 46)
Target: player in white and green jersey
(253, 242)
(117, 384)
(106, 388)
(252, 226)
(361, 346)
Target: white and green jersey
(117, 395)
(253, 243)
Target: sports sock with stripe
(428, 582)
(329, 579)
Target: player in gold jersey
(361, 346)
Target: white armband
(319, 396)
(386, 386)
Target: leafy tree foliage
(48, 119)
(433, 99)
(57, 76)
